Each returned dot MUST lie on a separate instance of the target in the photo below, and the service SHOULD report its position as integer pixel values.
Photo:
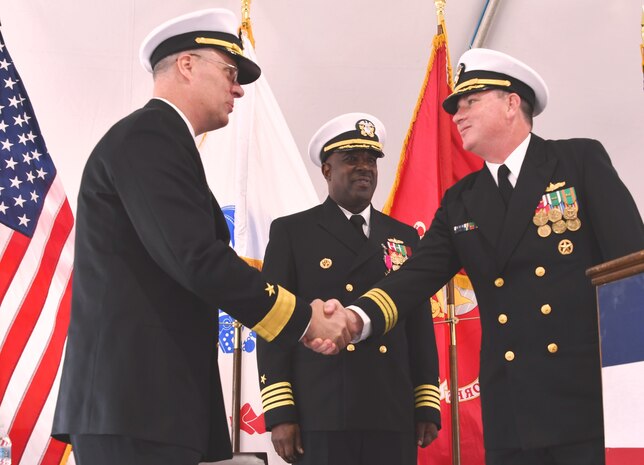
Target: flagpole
(237, 326)
(237, 365)
(451, 319)
(484, 23)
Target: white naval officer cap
(482, 69)
(210, 28)
(351, 131)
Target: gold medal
(540, 218)
(573, 224)
(544, 230)
(570, 212)
(559, 227)
(554, 215)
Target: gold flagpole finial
(245, 23)
(440, 13)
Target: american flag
(36, 252)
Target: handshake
(332, 327)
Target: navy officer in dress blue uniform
(525, 228)
(140, 383)
(377, 400)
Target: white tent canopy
(79, 64)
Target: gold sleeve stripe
(426, 387)
(275, 386)
(477, 83)
(435, 405)
(386, 305)
(273, 323)
(271, 395)
(230, 46)
(279, 404)
(430, 397)
(272, 400)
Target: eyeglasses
(231, 70)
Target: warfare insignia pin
(553, 187)
(366, 127)
(326, 263)
(395, 254)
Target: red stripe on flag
(42, 381)
(623, 456)
(54, 453)
(11, 259)
(30, 310)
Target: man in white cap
(525, 228)
(140, 383)
(376, 401)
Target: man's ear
(184, 64)
(326, 170)
(514, 102)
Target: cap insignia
(459, 70)
(366, 128)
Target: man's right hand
(329, 330)
(287, 441)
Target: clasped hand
(332, 327)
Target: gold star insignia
(270, 289)
(263, 379)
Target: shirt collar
(513, 162)
(366, 213)
(183, 117)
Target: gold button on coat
(351, 348)
(499, 282)
(349, 287)
(383, 349)
(540, 271)
(503, 318)
(552, 348)
(546, 309)
(509, 355)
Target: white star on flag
(11, 163)
(9, 83)
(24, 220)
(15, 182)
(19, 201)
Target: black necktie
(357, 221)
(505, 187)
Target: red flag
(431, 161)
(36, 249)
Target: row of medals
(561, 221)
